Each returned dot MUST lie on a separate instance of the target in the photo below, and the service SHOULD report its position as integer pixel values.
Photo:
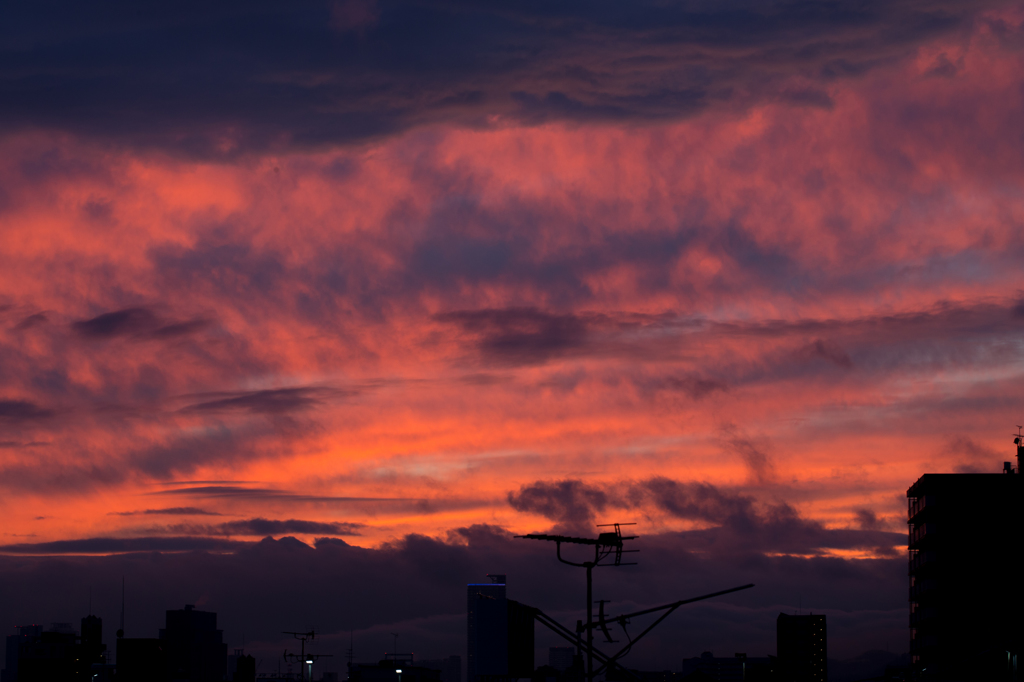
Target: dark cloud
(117, 545)
(182, 455)
(45, 475)
(23, 411)
(32, 321)
(940, 335)
(264, 527)
(223, 491)
(693, 386)
(271, 401)
(236, 269)
(138, 322)
(169, 511)
(958, 319)
(972, 457)
(570, 503)
(227, 491)
(1018, 308)
(867, 519)
(828, 350)
(117, 323)
(735, 520)
(261, 588)
(267, 75)
(520, 335)
(754, 455)
(692, 501)
(943, 67)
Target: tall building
(94, 651)
(25, 635)
(194, 646)
(964, 546)
(487, 638)
(802, 648)
(500, 638)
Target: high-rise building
(500, 638)
(94, 651)
(53, 655)
(194, 646)
(964, 546)
(802, 648)
(487, 638)
(25, 635)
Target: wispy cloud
(271, 401)
(260, 527)
(123, 545)
(169, 511)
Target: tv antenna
(607, 544)
(304, 659)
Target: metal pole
(590, 623)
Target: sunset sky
(417, 276)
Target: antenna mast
(605, 545)
(120, 631)
(303, 658)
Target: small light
(399, 671)
(310, 661)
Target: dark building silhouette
(500, 639)
(245, 669)
(25, 634)
(59, 653)
(394, 668)
(141, 660)
(487, 639)
(802, 648)
(51, 656)
(237, 673)
(194, 646)
(93, 650)
(450, 668)
(737, 668)
(965, 606)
